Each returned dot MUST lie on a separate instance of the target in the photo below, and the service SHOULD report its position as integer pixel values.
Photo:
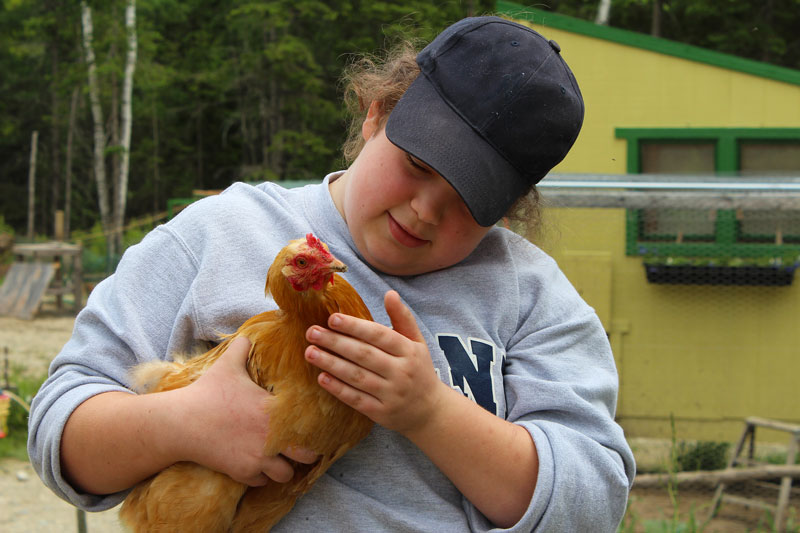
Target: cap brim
(425, 126)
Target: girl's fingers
(237, 352)
(346, 371)
(372, 333)
(402, 319)
(357, 399)
(378, 335)
(354, 349)
(301, 455)
(278, 469)
(369, 334)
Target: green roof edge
(648, 42)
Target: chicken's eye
(302, 262)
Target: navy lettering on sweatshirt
(473, 369)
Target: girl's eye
(414, 163)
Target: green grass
(14, 444)
(779, 458)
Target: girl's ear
(372, 123)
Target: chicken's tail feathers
(147, 377)
(171, 501)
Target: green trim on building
(727, 149)
(647, 42)
(708, 133)
(726, 236)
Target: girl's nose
(433, 199)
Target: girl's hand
(384, 373)
(227, 416)
(114, 440)
(387, 374)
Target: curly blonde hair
(369, 79)
(373, 79)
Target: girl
(491, 382)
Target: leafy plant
(702, 455)
(15, 443)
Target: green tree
(223, 91)
(36, 55)
(763, 31)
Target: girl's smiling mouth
(402, 235)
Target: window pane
(770, 226)
(678, 158)
(770, 159)
(678, 224)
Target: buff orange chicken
(304, 283)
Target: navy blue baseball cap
(494, 109)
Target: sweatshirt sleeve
(561, 385)
(139, 313)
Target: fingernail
(324, 379)
(336, 320)
(312, 353)
(313, 334)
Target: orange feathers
(188, 497)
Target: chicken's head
(307, 264)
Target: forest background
(242, 90)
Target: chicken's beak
(337, 266)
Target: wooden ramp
(24, 287)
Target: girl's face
(405, 218)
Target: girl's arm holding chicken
(103, 452)
(387, 374)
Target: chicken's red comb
(316, 243)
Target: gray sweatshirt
(504, 327)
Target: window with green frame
(733, 152)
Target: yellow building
(709, 355)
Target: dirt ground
(27, 506)
(31, 344)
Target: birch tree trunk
(97, 117)
(602, 12)
(121, 188)
(111, 216)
